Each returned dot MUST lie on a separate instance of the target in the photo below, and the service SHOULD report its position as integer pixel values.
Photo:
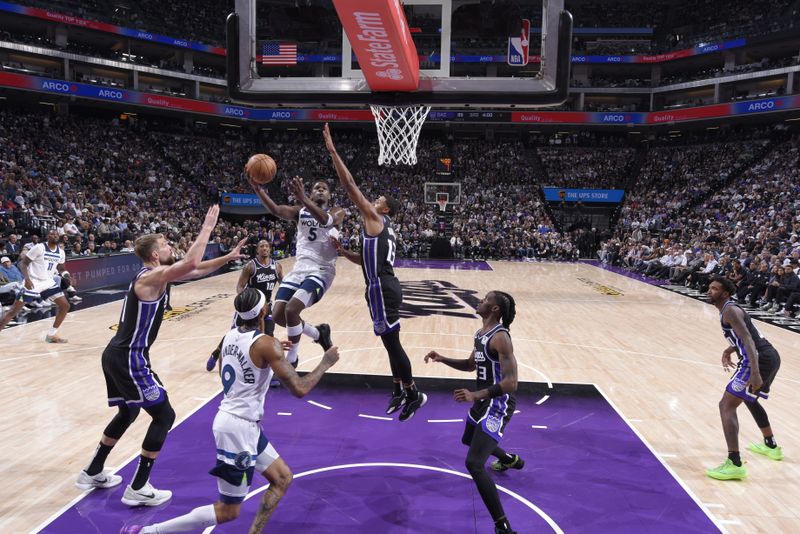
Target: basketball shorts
(384, 297)
(242, 449)
(42, 289)
(491, 415)
(130, 380)
(769, 361)
(310, 278)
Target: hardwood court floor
(655, 355)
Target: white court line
(378, 417)
(284, 413)
(540, 401)
(685, 487)
(541, 513)
(126, 462)
(445, 420)
(319, 405)
(539, 426)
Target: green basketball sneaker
(727, 471)
(517, 463)
(760, 448)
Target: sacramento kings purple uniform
(491, 414)
(769, 361)
(384, 294)
(126, 359)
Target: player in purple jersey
(383, 292)
(748, 384)
(493, 400)
(131, 383)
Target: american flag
(275, 53)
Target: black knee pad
(759, 414)
(163, 418)
(120, 423)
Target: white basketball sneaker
(147, 495)
(100, 480)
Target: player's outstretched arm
(355, 257)
(282, 211)
(209, 266)
(269, 351)
(373, 222)
(466, 364)
(161, 276)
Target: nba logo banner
(518, 46)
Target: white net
(398, 132)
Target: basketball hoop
(398, 132)
(442, 200)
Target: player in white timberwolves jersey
(315, 262)
(41, 267)
(249, 359)
(493, 400)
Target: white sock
(52, 332)
(292, 331)
(311, 331)
(292, 354)
(197, 519)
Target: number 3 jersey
(244, 384)
(487, 364)
(314, 247)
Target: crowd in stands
(747, 228)
(102, 182)
(704, 21)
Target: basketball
(261, 168)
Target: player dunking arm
(41, 266)
(493, 401)
(264, 274)
(758, 364)
(384, 294)
(131, 383)
(315, 263)
(249, 359)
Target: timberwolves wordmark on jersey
(313, 241)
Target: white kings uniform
(43, 273)
(241, 444)
(315, 264)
